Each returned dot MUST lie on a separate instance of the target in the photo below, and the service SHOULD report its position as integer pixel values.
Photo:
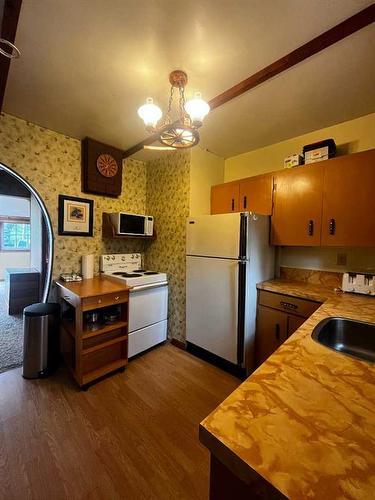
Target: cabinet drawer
(104, 300)
(286, 303)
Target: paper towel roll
(87, 266)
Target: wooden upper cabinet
(256, 194)
(225, 198)
(297, 210)
(349, 201)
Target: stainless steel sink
(354, 338)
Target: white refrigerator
(226, 256)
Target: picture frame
(75, 216)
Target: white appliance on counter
(148, 299)
(226, 256)
(358, 283)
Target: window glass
(15, 236)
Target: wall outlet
(341, 259)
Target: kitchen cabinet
(349, 201)
(256, 194)
(297, 212)
(253, 194)
(278, 317)
(225, 198)
(271, 332)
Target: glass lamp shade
(150, 113)
(197, 109)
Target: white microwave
(132, 224)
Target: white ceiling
(87, 65)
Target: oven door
(132, 224)
(147, 305)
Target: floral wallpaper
(51, 162)
(168, 180)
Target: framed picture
(75, 216)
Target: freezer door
(214, 235)
(212, 305)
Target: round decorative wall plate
(106, 165)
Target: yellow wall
(206, 170)
(350, 137)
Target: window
(15, 236)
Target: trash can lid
(41, 309)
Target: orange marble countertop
(305, 419)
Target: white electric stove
(148, 299)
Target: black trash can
(40, 340)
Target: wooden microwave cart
(92, 353)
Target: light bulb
(197, 109)
(150, 113)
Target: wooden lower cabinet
(275, 322)
(271, 332)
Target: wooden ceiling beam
(321, 42)
(9, 24)
(317, 44)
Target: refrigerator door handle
(244, 226)
(241, 311)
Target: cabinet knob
(99, 301)
(245, 201)
(332, 227)
(310, 229)
(232, 204)
(117, 298)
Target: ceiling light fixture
(182, 131)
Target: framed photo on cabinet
(76, 216)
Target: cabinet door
(297, 210)
(349, 201)
(294, 322)
(256, 194)
(271, 332)
(225, 197)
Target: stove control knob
(122, 258)
(113, 257)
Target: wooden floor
(131, 436)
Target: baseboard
(179, 343)
(225, 365)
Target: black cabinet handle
(245, 201)
(332, 226)
(310, 229)
(277, 331)
(288, 305)
(232, 204)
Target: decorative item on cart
(68, 277)
(75, 216)
(101, 168)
